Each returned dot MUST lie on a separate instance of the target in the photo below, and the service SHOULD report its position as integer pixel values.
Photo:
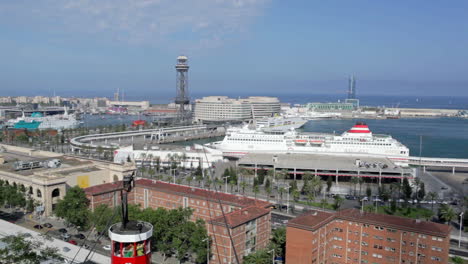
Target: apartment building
(352, 236)
(244, 220)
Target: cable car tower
(182, 100)
(130, 240)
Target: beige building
(223, 108)
(47, 185)
(129, 104)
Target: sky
(235, 47)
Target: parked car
(38, 227)
(66, 249)
(72, 242)
(80, 236)
(107, 247)
(48, 225)
(65, 236)
(63, 230)
(365, 199)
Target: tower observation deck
(182, 98)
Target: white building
(189, 157)
(223, 108)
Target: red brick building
(349, 236)
(247, 220)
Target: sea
(428, 137)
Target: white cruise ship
(279, 123)
(38, 121)
(358, 140)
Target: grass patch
(409, 212)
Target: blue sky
(86, 47)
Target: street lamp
(287, 199)
(207, 249)
(225, 183)
(273, 255)
(461, 227)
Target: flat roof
(320, 162)
(66, 167)
(316, 219)
(7, 229)
(239, 217)
(182, 190)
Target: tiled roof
(184, 190)
(396, 222)
(312, 221)
(239, 217)
(103, 188)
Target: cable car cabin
(131, 244)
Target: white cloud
(201, 23)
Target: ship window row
(353, 143)
(261, 140)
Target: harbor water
(441, 137)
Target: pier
(111, 141)
(438, 162)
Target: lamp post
(461, 227)
(287, 199)
(207, 249)
(225, 183)
(273, 255)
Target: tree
(278, 242)
(446, 213)
(329, 183)
(421, 192)
(258, 257)
(354, 181)
(407, 191)
(256, 190)
(338, 202)
(432, 196)
(189, 180)
(243, 184)
(74, 207)
(102, 215)
(19, 250)
(368, 192)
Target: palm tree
(360, 181)
(447, 213)
(284, 175)
(354, 181)
(256, 190)
(316, 185)
(189, 179)
(208, 183)
(432, 196)
(268, 191)
(243, 184)
(281, 190)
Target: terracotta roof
(396, 222)
(201, 193)
(316, 219)
(103, 188)
(239, 217)
(311, 220)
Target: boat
(39, 121)
(357, 140)
(279, 123)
